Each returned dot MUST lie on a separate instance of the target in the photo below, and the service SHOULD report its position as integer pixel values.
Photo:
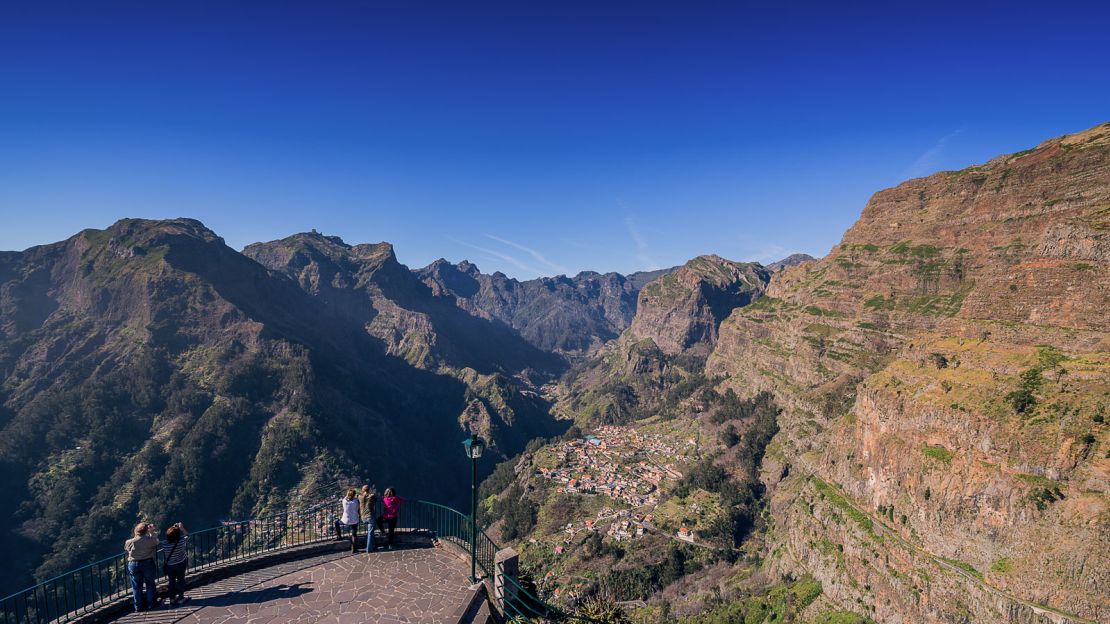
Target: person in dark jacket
(177, 560)
(367, 498)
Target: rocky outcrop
(674, 330)
(789, 261)
(681, 311)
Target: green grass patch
(764, 303)
(965, 566)
(916, 251)
(868, 247)
(878, 302)
(842, 503)
(782, 603)
(842, 617)
(816, 311)
(938, 453)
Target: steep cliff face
(571, 315)
(945, 371)
(681, 311)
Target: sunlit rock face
(900, 358)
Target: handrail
(78, 592)
(518, 602)
(84, 590)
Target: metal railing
(517, 601)
(79, 592)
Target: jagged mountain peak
(682, 310)
(789, 261)
(305, 247)
(313, 237)
(720, 271)
(567, 314)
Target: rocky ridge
(569, 315)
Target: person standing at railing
(391, 506)
(348, 517)
(140, 551)
(177, 560)
(366, 499)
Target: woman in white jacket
(349, 517)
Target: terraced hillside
(945, 378)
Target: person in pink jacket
(391, 506)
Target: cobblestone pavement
(414, 583)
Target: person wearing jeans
(367, 499)
(177, 560)
(140, 551)
(391, 505)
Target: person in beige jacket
(140, 551)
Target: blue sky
(529, 137)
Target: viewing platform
(289, 567)
(415, 582)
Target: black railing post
(473, 519)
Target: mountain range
(909, 429)
(149, 370)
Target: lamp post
(473, 446)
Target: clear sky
(529, 137)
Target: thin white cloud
(929, 160)
(531, 252)
(643, 251)
(764, 252)
(768, 253)
(504, 257)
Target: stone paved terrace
(413, 583)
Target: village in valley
(618, 480)
(627, 465)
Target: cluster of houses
(617, 462)
(625, 465)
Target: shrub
(729, 436)
(1044, 496)
(1023, 399)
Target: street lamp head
(473, 446)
